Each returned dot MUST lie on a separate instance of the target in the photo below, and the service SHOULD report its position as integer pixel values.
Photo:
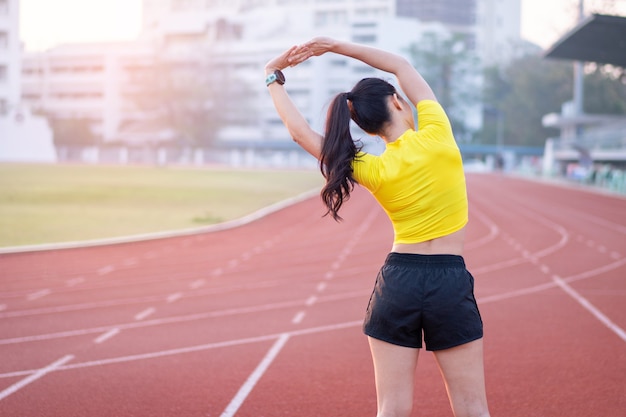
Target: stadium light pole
(578, 78)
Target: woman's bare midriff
(451, 244)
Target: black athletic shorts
(429, 294)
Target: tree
(451, 68)
(520, 95)
(193, 98)
(532, 86)
(605, 90)
(71, 131)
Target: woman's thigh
(394, 367)
(463, 373)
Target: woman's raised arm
(410, 80)
(296, 123)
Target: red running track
(265, 319)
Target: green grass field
(60, 203)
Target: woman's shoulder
(431, 113)
(428, 104)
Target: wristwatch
(276, 76)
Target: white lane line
(590, 307)
(35, 376)
(174, 297)
(106, 270)
(298, 317)
(181, 319)
(321, 286)
(296, 303)
(38, 294)
(145, 313)
(130, 262)
(74, 281)
(190, 349)
(107, 335)
(494, 231)
(311, 300)
(515, 293)
(247, 387)
(196, 284)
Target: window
(4, 40)
(364, 25)
(339, 63)
(364, 38)
(4, 74)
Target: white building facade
(23, 137)
(9, 55)
(84, 82)
(237, 38)
(499, 31)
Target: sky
(46, 23)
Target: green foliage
(70, 132)
(529, 88)
(605, 91)
(451, 69)
(191, 99)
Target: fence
(240, 157)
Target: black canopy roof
(598, 38)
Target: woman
(423, 289)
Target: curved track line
(542, 287)
(524, 259)
(560, 282)
(494, 230)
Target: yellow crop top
(419, 179)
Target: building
(230, 41)
(458, 15)
(499, 32)
(9, 55)
(85, 82)
(23, 137)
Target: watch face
(280, 77)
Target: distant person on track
(423, 290)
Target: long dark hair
(366, 104)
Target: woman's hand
(315, 47)
(280, 62)
(300, 53)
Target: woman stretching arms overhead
(423, 290)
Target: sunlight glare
(45, 24)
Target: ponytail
(366, 104)
(338, 152)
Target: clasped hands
(300, 53)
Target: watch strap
(276, 76)
(270, 79)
